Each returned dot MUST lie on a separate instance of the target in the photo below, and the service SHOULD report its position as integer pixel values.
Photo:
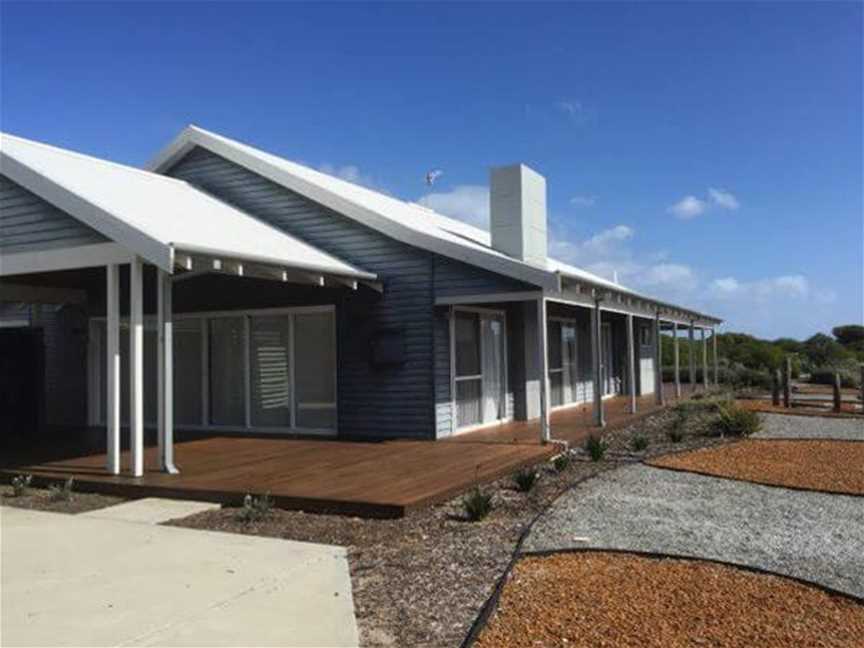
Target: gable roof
(156, 216)
(404, 221)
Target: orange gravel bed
(849, 410)
(829, 466)
(595, 599)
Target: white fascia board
(226, 255)
(487, 298)
(102, 221)
(191, 137)
(68, 258)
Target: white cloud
(600, 242)
(691, 206)
(723, 199)
(350, 173)
(688, 207)
(669, 274)
(761, 290)
(583, 201)
(469, 203)
(572, 108)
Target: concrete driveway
(88, 581)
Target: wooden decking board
(383, 479)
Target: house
(226, 288)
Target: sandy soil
(828, 466)
(605, 599)
(40, 499)
(848, 410)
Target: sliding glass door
(256, 370)
(563, 380)
(480, 372)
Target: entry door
(480, 368)
(608, 379)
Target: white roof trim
(353, 201)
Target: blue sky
(709, 153)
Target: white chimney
(518, 213)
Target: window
(480, 367)
(264, 370)
(563, 380)
(645, 336)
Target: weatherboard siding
(29, 223)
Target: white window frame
(95, 400)
(454, 379)
(570, 321)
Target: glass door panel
(269, 348)
(227, 371)
(315, 370)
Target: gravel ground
(591, 599)
(778, 426)
(40, 499)
(812, 536)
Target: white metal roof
(156, 216)
(405, 221)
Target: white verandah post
(597, 355)
(691, 357)
(631, 362)
(543, 366)
(136, 367)
(112, 374)
(704, 358)
(658, 360)
(165, 335)
(677, 359)
(714, 349)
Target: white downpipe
(136, 367)
(112, 374)
(677, 360)
(658, 360)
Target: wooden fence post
(838, 395)
(775, 389)
(787, 383)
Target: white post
(543, 366)
(597, 355)
(691, 356)
(112, 374)
(165, 373)
(704, 358)
(677, 360)
(714, 349)
(136, 366)
(631, 362)
(658, 360)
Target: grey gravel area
(780, 426)
(812, 536)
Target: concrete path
(75, 580)
(791, 426)
(151, 510)
(812, 536)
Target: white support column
(658, 361)
(631, 365)
(543, 364)
(691, 357)
(136, 367)
(165, 316)
(677, 360)
(714, 348)
(597, 355)
(112, 369)
(704, 358)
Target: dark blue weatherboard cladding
(29, 223)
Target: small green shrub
(61, 492)
(255, 508)
(849, 377)
(638, 443)
(733, 420)
(561, 462)
(525, 479)
(21, 484)
(676, 432)
(477, 504)
(596, 447)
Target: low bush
(21, 484)
(61, 492)
(596, 447)
(525, 479)
(638, 443)
(561, 462)
(849, 377)
(676, 431)
(255, 508)
(732, 420)
(477, 504)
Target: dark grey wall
(29, 223)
